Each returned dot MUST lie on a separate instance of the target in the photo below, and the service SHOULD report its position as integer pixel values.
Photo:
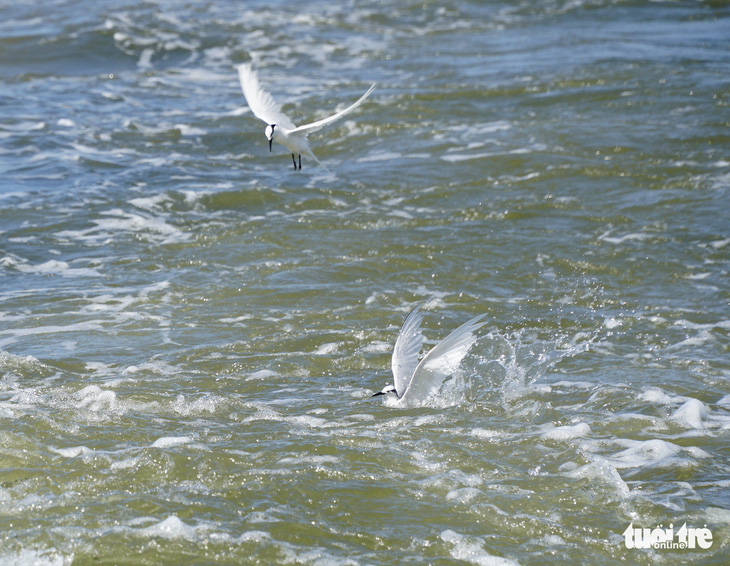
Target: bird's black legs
(295, 161)
(300, 161)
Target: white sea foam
(152, 203)
(478, 130)
(254, 536)
(14, 334)
(262, 374)
(317, 460)
(654, 453)
(718, 515)
(96, 154)
(263, 413)
(204, 404)
(703, 337)
(94, 398)
(470, 549)
(377, 347)
(380, 156)
(463, 495)
(617, 240)
(568, 432)
(35, 557)
(11, 363)
(272, 514)
(423, 463)
(119, 220)
(458, 157)
(108, 303)
(327, 349)
(145, 58)
(189, 131)
(153, 228)
(552, 540)
(56, 267)
(155, 367)
(574, 384)
(72, 452)
(23, 127)
(691, 414)
(170, 528)
(309, 421)
(698, 276)
(656, 395)
(170, 441)
(23, 400)
(124, 464)
(601, 469)
(485, 433)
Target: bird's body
(279, 127)
(415, 381)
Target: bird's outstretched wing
(441, 362)
(405, 353)
(319, 124)
(261, 103)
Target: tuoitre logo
(660, 538)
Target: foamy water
(190, 332)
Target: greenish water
(191, 332)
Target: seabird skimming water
(415, 381)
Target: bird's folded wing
(319, 124)
(261, 103)
(441, 362)
(405, 353)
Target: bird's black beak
(378, 393)
(270, 144)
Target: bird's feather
(319, 124)
(405, 353)
(441, 362)
(261, 103)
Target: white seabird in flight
(279, 128)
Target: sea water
(191, 332)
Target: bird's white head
(269, 132)
(386, 390)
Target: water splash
(502, 369)
(505, 368)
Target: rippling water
(190, 331)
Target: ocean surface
(191, 331)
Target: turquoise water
(191, 332)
